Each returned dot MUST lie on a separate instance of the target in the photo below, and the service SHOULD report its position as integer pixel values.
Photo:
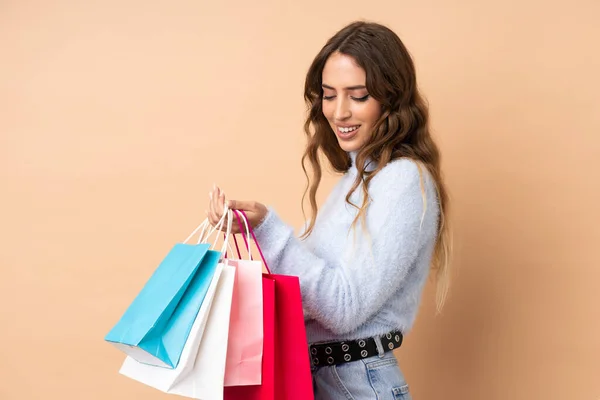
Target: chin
(350, 146)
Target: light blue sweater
(364, 285)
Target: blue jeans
(378, 377)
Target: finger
(235, 228)
(216, 194)
(212, 215)
(218, 207)
(221, 203)
(215, 205)
(241, 205)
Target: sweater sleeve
(344, 293)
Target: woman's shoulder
(403, 181)
(402, 172)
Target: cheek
(370, 113)
(328, 110)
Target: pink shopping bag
(245, 344)
(286, 371)
(266, 390)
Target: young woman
(363, 259)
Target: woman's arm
(343, 294)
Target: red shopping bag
(286, 371)
(293, 379)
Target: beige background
(116, 117)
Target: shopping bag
(266, 390)
(292, 364)
(286, 356)
(204, 371)
(205, 380)
(164, 379)
(245, 344)
(156, 325)
(200, 373)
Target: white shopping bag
(200, 373)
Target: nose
(342, 110)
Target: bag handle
(212, 229)
(247, 226)
(253, 237)
(205, 224)
(201, 226)
(227, 234)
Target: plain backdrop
(116, 118)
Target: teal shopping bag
(156, 325)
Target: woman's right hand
(255, 211)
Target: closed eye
(361, 99)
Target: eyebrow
(356, 87)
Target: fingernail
(210, 195)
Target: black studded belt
(335, 353)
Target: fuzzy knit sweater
(358, 284)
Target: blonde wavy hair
(402, 131)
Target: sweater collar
(370, 165)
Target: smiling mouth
(347, 130)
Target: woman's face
(350, 110)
